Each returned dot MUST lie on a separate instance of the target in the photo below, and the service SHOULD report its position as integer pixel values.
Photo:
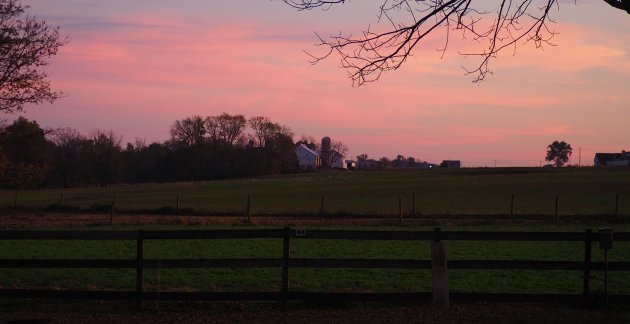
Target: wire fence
(387, 204)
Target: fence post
(249, 209)
(285, 266)
(557, 218)
(586, 292)
(616, 205)
(321, 210)
(400, 212)
(439, 270)
(177, 204)
(111, 216)
(413, 204)
(139, 269)
(512, 206)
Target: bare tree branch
(504, 24)
(26, 44)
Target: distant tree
(230, 130)
(274, 150)
(230, 127)
(399, 162)
(408, 24)
(362, 157)
(105, 156)
(262, 129)
(308, 141)
(26, 45)
(338, 151)
(280, 151)
(142, 162)
(67, 154)
(384, 163)
(411, 162)
(559, 153)
(25, 154)
(189, 131)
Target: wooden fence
(140, 263)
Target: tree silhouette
(26, 44)
(559, 153)
(498, 25)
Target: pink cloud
(138, 80)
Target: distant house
(368, 164)
(351, 164)
(307, 159)
(451, 164)
(612, 159)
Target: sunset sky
(137, 66)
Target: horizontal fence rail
(140, 263)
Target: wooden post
(586, 292)
(177, 204)
(512, 206)
(285, 267)
(111, 216)
(139, 269)
(321, 210)
(439, 271)
(400, 214)
(249, 209)
(557, 218)
(616, 205)
(413, 204)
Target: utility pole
(495, 163)
(580, 156)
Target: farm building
(368, 164)
(307, 159)
(612, 159)
(326, 158)
(351, 164)
(451, 164)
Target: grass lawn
(359, 280)
(580, 191)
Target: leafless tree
(230, 127)
(338, 151)
(308, 141)
(497, 25)
(105, 149)
(189, 131)
(263, 129)
(68, 145)
(26, 45)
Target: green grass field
(580, 191)
(360, 280)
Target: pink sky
(137, 66)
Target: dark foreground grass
(178, 312)
(580, 191)
(338, 280)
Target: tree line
(214, 147)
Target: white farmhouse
(307, 159)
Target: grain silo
(325, 152)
